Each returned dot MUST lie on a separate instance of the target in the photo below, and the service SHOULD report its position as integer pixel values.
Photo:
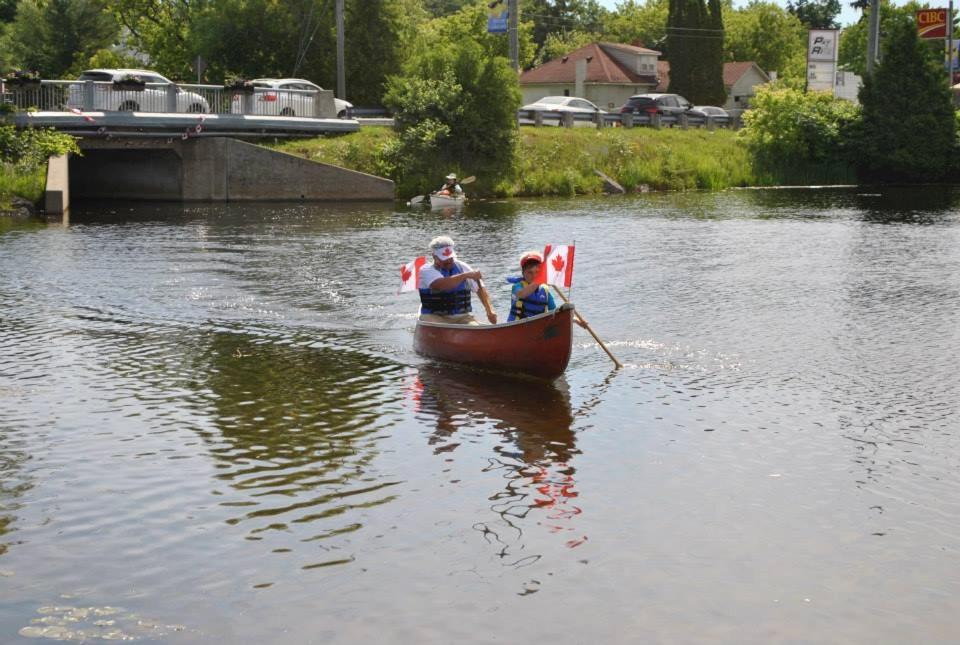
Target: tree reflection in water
(534, 420)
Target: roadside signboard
(822, 59)
(497, 17)
(932, 23)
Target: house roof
(732, 72)
(601, 67)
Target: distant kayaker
(450, 187)
(446, 286)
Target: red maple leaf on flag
(447, 252)
(558, 263)
(405, 273)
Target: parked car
(718, 113)
(563, 104)
(669, 104)
(152, 98)
(296, 100)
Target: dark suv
(672, 104)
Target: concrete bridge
(161, 153)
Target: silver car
(108, 96)
(295, 98)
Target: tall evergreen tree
(695, 43)
(908, 128)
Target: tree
(816, 14)
(908, 128)
(853, 41)
(644, 22)
(58, 37)
(769, 35)
(561, 44)
(557, 16)
(454, 106)
(695, 41)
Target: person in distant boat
(529, 298)
(446, 287)
(450, 187)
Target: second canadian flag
(557, 267)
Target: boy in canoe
(450, 187)
(446, 285)
(529, 298)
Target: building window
(566, 92)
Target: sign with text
(497, 17)
(932, 23)
(822, 59)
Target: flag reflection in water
(534, 420)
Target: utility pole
(341, 74)
(873, 37)
(513, 22)
(950, 44)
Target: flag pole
(587, 326)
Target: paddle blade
(416, 200)
(468, 180)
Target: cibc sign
(932, 23)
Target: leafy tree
(908, 129)
(644, 22)
(561, 44)
(786, 126)
(454, 106)
(853, 40)
(58, 37)
(553, 16)
(8, 10)
(768, 35)
(816, 14)
(439, 8)
(695, 41)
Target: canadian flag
(557, 267)
(410, 274)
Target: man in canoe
(445, 287)
(450, 187)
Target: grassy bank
(561, 161)
(17, 181)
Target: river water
(213, 427)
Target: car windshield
(553, 100)
(96, 76)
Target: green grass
(562, 161)
(17, 182)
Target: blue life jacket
(534, 304)
(447, 303)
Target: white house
(609, 73)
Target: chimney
(581, 76)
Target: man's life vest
(447, 303)
(532, 305)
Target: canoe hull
(538, 346)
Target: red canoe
(538, 346)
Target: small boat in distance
(446, 201)
(538, 346)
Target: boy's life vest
(447, 303)
(534, 304)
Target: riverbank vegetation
(23, 161)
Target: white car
(563, 104)
(297, 100)
(152, 98)
(711, 110)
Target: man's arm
(485, 299)
(452, 282)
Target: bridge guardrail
(88, 96)
(612, 119)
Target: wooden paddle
(587, 326)
(420, 198)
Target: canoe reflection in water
(534, 420)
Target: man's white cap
(444, 253)
(452, 175)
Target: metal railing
(165, 98)
(627, 120)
